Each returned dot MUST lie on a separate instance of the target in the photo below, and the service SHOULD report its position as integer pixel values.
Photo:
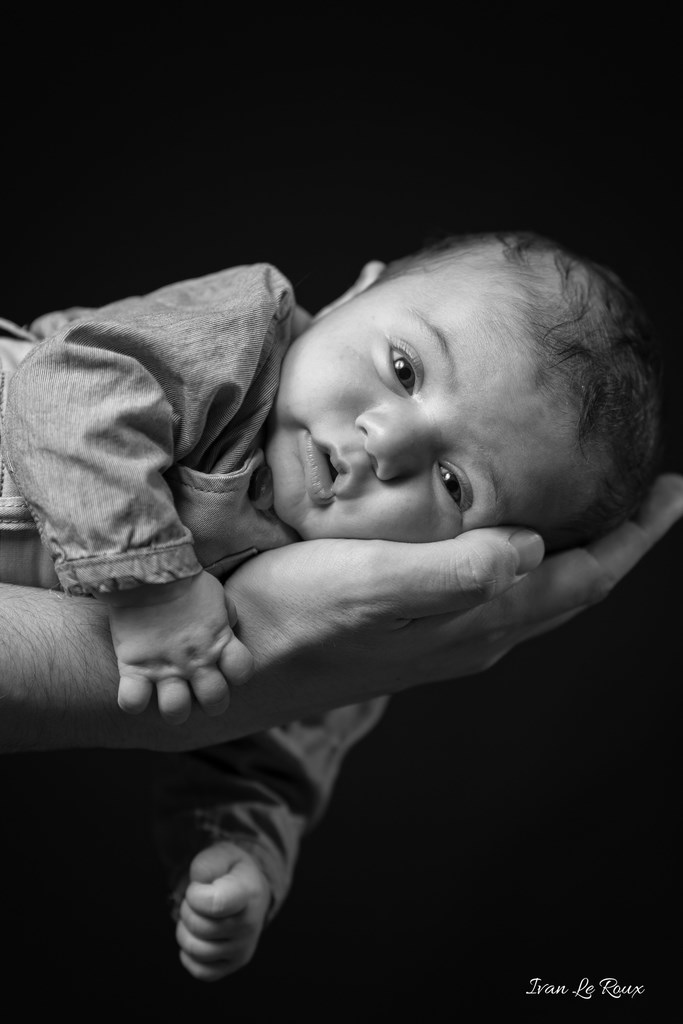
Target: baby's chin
(291, 514)
(317, 526)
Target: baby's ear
(368, 275)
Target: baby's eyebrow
(435, 332)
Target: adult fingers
(409, 581)
(581, 577)
(619, 551)
(547, 625)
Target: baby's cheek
(410, 519)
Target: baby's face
(406, 414)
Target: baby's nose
(396, 442)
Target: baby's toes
(175, 700)
(207, 972)
(202, 950)
(211, 929)
(211, 690)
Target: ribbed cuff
(104, 574)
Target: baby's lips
(317, 475)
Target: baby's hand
(179, 639)
(222, 912)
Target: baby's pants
(23, 559)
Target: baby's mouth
(319, 472)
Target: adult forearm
(59, 678)
(58, 685)
(57, 671)
(58, 682)
(329, 623)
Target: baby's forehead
(492, 267)
(499, 293)
(474, 289)
(484, 290)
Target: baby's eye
(451, 483)
(404, 372)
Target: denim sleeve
(98, 413)
(263, 792)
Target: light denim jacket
(264, 792)
(133, 432)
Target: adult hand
(343, 621)
(329, 623)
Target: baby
(489, 379)
(158, 441)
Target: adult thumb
(454, 575)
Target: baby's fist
(222, 912)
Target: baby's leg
(222, 912)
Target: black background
(515, 824)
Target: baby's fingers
(134, 694)
(211, 690)
(236, 662)
(231, 608)
(174, 699)
(238, 665)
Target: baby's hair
(595, 343)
